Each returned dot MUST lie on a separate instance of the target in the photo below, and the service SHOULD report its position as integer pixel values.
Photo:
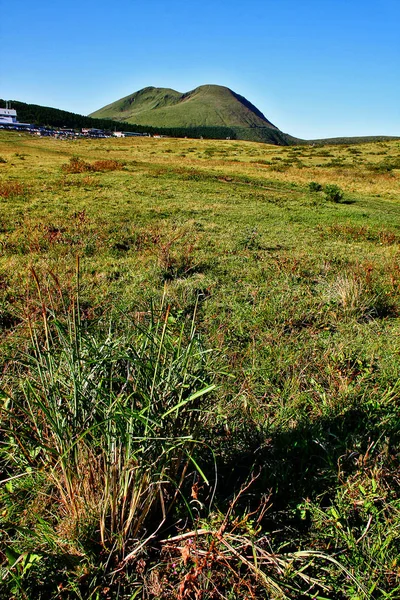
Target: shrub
(261, 161)
(333, 193)
(279, 167)
(336, 162)
(353, 150)
(313, 186)
(77, 165)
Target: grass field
(200, 369)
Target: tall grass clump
(110, 422)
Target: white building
(8, 116)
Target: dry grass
(107, 165)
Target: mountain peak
(208, 106)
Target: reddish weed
(364, 233)
(107, 165)
(78, 165)
(11, 189)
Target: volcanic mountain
(208, 106)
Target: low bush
(77, 165)
(313, 186)
(333, 193)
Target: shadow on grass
(308, 461)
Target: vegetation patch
(313, 186)
(364, 233)
(333, 193)
(12, 189)
(385, 166)
(78, 165)
(107, 165)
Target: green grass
(285, 300)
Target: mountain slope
(206, 106)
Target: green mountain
(207, 107)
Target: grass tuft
(111, 421)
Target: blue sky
(316, 68)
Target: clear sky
(315, 68)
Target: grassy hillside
(200, 369)
(206, 106)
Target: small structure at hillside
(8, 116)
(121, 134)
(8, 119)
(93, 132)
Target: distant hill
(343, 141)
(208, 106)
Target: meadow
(200, 369)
